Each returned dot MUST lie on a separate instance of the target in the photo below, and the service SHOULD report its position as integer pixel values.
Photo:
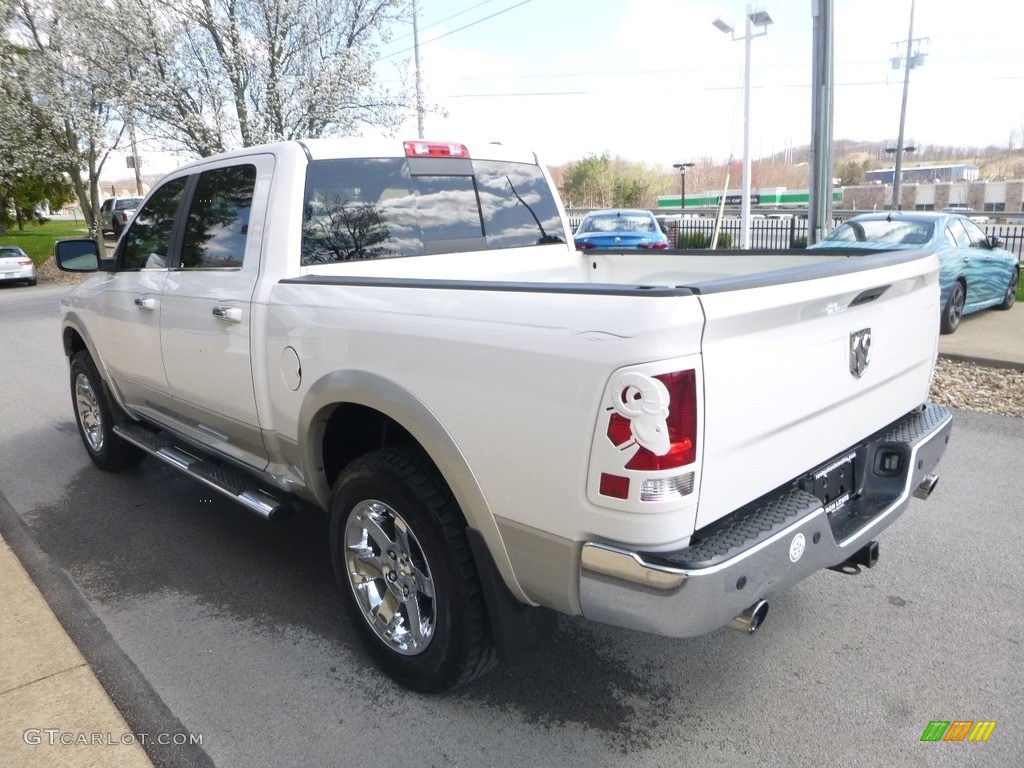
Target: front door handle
(228, 314)
(145, 303)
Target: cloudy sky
(653, 80)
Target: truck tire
(406, 572)
(1011, 290)
(94, 414)
(954, 309)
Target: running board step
(231, 482)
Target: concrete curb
(123, 685)
(983, 361)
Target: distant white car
(16, 265)
(965, 210)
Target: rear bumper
(765, 546)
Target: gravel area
(47, 272)
(979, 388)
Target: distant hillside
(996, 163)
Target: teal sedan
(975, 271)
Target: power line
(459, 29)
(441, 21)
(459, 13)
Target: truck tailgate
(785, 388)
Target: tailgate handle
(865, 297)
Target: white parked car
(16, 265)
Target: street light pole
(682, 182)
(745, 201)
(755, 17)
(898, 174)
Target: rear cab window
(392, 207)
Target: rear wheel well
(354, 430)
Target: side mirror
(77, 255)
(994, 242)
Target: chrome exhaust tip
(924, 490)
(751, 619)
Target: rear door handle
(228, 314)
(145, 303)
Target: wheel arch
(75, 339)
(349, 413)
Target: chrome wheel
(1011, 290)
(390, 577)
(954, 309)
(89, 415)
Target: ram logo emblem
(644, 402)
(860, 351)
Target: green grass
(37, 240)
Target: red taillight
(619, 431)
(583, 246)
(24, 262)
(681, 422)
(654, 246)
(434, 149)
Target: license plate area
(835, 483)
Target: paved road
(237, 626)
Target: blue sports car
(975, 271)
(620, 229)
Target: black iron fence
(783, 230)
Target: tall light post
(898, 172)
(681, 167)
(756, 17)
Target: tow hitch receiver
(865, 557)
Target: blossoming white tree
(219, 74)
(202, 76)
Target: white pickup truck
(500, 427)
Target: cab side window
(146, 244)
(218, 219)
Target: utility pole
(419, 81)
(913, 58)
(135, 157)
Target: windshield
(883, 231)
(617, 222)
